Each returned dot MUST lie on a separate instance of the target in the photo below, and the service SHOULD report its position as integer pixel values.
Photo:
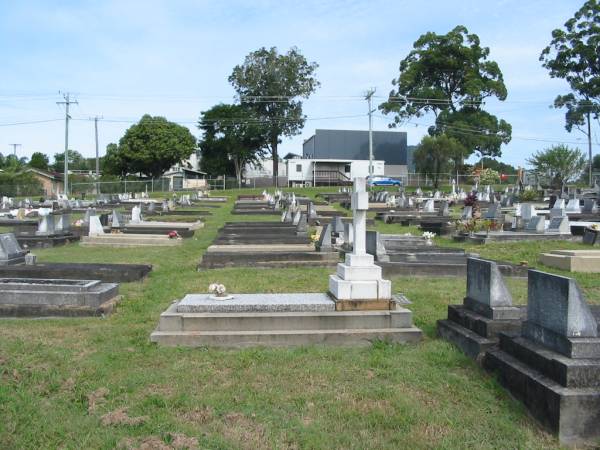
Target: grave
(50, 297)
(358, 310)
(553, 365)
(53, 230)
(10, 251)
(486, 311)
(98, 238)
(587, 261)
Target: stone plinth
(573, 260)
(204, 303)
(35, 296)
(10, 250)
(486, 311)
(553, 366)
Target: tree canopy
(39, 160)
(450, 76)
(11, 163)
(231, 134)
(574, 55)
(150, 147)
(560, 163)
(272, 85)
(76, 161)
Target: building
(328, 172)
(388, 146)
(52, 183)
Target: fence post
(152, 181)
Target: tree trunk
(238, 172)
(589, 136)
(275, 162)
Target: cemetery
(316, 275)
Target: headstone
(348, 234)
(429, 206)
(493, 212)
(557, 312)
(116, 219)
(486, 292)
(302, 225)
(288, 218)
(559, 225)
(338, 225)
(444, 211)
(589, 206)
(573, 206)
(375, 247)
(96, 228)
(325, 244)
(30, 259)
(136, 214)
(10, 250)
(151, 208)
(528, 212)
(559, 204)
(467, 213)
(296, 218)
(557, 212)
(88, 213)
(590, 237)
(536, 225)
(46, 224)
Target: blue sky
(124, 58)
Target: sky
(121, 59)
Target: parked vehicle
(383, 181)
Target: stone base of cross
(358, 282)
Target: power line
(30, 122)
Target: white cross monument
(358, 283)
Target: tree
(272, 84)
(76, 161)
(112, 163)
(450, 76)
(232, 133)
(150, 147)
(498, 166)
(434, 154)
(560, 163)
(12, 163)
(39, 161)
(574, 55)
(596, 163)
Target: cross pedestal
(358, 282)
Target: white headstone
(96, 228)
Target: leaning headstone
(486, 311)
(537, 224)
(10, 251)
(553, 366)
(325, 243)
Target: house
(388, 146)
(52, 183)
(328, 172)
(184, 178)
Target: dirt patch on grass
(96, 398)
(176, 441)
(198, 416)
(245, 431)
(120, 417)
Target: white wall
(256, 171)
(358, 168)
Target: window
(298, 167)
(347, 168)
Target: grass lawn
(100, 383)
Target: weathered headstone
(467, 213)
(573, 206)
(590, 237)
(493, 212)
(589, 206)
(429, 206)
(10, 250)
(537, 224)
(136, 214)
(528, 211)
(559, 225)
(444, 210)
(325, 243)
(96, 228)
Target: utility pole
(67, 103)
(95, 119)
(368, 97)
(589, 135)
(14, 146)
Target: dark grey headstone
(590, 237)
(338, 225)
(467, 212)
(486, 292)
(375, 247)
(302, 225)
(557, 313)
(10, 250)
(559, 225)
(493, 211)
(536, 225)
